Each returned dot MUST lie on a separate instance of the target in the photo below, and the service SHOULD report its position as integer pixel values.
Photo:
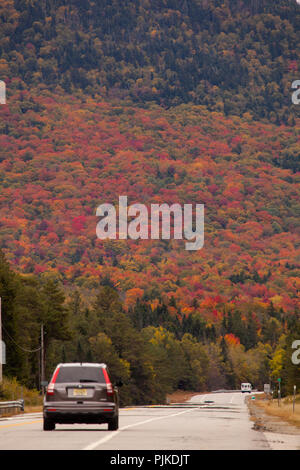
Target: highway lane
(212, 421)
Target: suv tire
(113, 424)
(48, 425)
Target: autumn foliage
(61, 156)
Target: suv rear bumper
(80, 413)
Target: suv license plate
(80, 392)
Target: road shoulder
(280, 434)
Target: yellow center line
(20, 424)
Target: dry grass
(181, 396)
(33, 409)
(284, 411)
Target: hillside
(170, 101)
(229, 55)
(62, 156)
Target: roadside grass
(11, 389)
(284, 411)
(33, 409)
(181, 396)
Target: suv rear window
(80, 374)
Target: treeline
(153, 356)
(27, 304)
(231, 56)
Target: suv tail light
(109, 387)
(50, 388)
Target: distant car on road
(246, 387)
(81, 393)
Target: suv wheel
(113, 424)
(49, 425)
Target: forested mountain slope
(169, 101)
(62, 156)
(234, 56)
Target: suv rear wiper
(87, 380)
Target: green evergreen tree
(227, 366)
(55, 316)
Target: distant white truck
(246, 387)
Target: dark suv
(81, 393)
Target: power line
(23, 349)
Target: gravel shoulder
(280, 434)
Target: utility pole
(42, 357)
(1, 346)
(294, 398)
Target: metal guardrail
(11, 406)
(232, 391)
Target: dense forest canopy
(61, 157)
(234, 56)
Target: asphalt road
(208, 422)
